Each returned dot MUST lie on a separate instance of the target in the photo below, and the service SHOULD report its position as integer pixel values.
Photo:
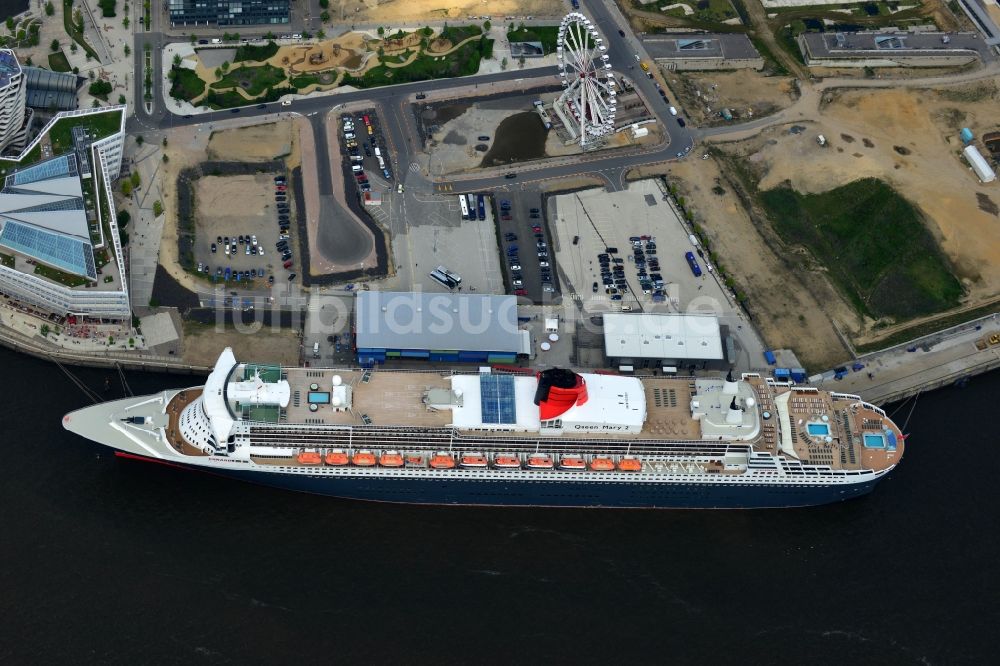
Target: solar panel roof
(66, 253)
(498, 403)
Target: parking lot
(365, 152)
(650, 241)
(522, 224)
(240, 220)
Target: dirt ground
(746, 93)
(909, 138)
(388, 11)
(257, 143)
(202, 345)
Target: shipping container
(769, 357)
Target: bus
(481, 207)
(693, 263)
(452, 276)
(442, 279)
(464, 205)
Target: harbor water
(120, 562)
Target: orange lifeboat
(473, 460)
(415, 460)
(442, 460)
(572, 462)
(309, 458)
(363, 458)
(539, 461)
(602, 464)
(630, 464)
(337, 458)
(506, 461)
(390, 459)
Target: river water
(109, 561)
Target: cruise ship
(491, 437)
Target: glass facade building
(228, 12)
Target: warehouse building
(228, 12)
(700, 51)
(452, 328)
(667, 342)
(892, 49)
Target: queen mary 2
(552, 438)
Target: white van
(315, 350)
(673, 111)
(693, 239)
(356, 158)
(356, 168)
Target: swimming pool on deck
(818, 429)
(880, 440)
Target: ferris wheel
(586, 73)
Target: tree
(321, 33)
(126, 187)
(128, 51)
(11, 25)
(125, 22)
(28, 61)
(54, 45)
(164, 142)
(324, 16)
(96, 104)
(139, 140)
(218, 72)
(90, 75)
(122, 100)
(503, 64)
(177, 60)
(157, 208)
(165, 158)
(49, 9)
(136, 180)
(72, 47)
(324, 3)
(225, 65)
(381, 31)
(100, 88)
(123, 218)
(76, 70)
(45, 327)
(486, 26)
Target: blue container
(966, 135)
(769, 357)
(798, 375)
(782, 374)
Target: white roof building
(663, 336)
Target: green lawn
(7, 260)
(304, 81)
(58, 276)
(252, 52)
(101, 124)
(463, 62)
(458, 33)
(548, 35)
(186, 84)
(58, 62)
(254, 80)
(874, 245)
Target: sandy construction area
(269, 345)
(908, 138)
(257, 143)
(407, 10)
(746, 93)
(224, 201)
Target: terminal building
(892, 49)
(693, 51)
(666, 342)
(449, 328)
(60, 250)
(228, 12)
